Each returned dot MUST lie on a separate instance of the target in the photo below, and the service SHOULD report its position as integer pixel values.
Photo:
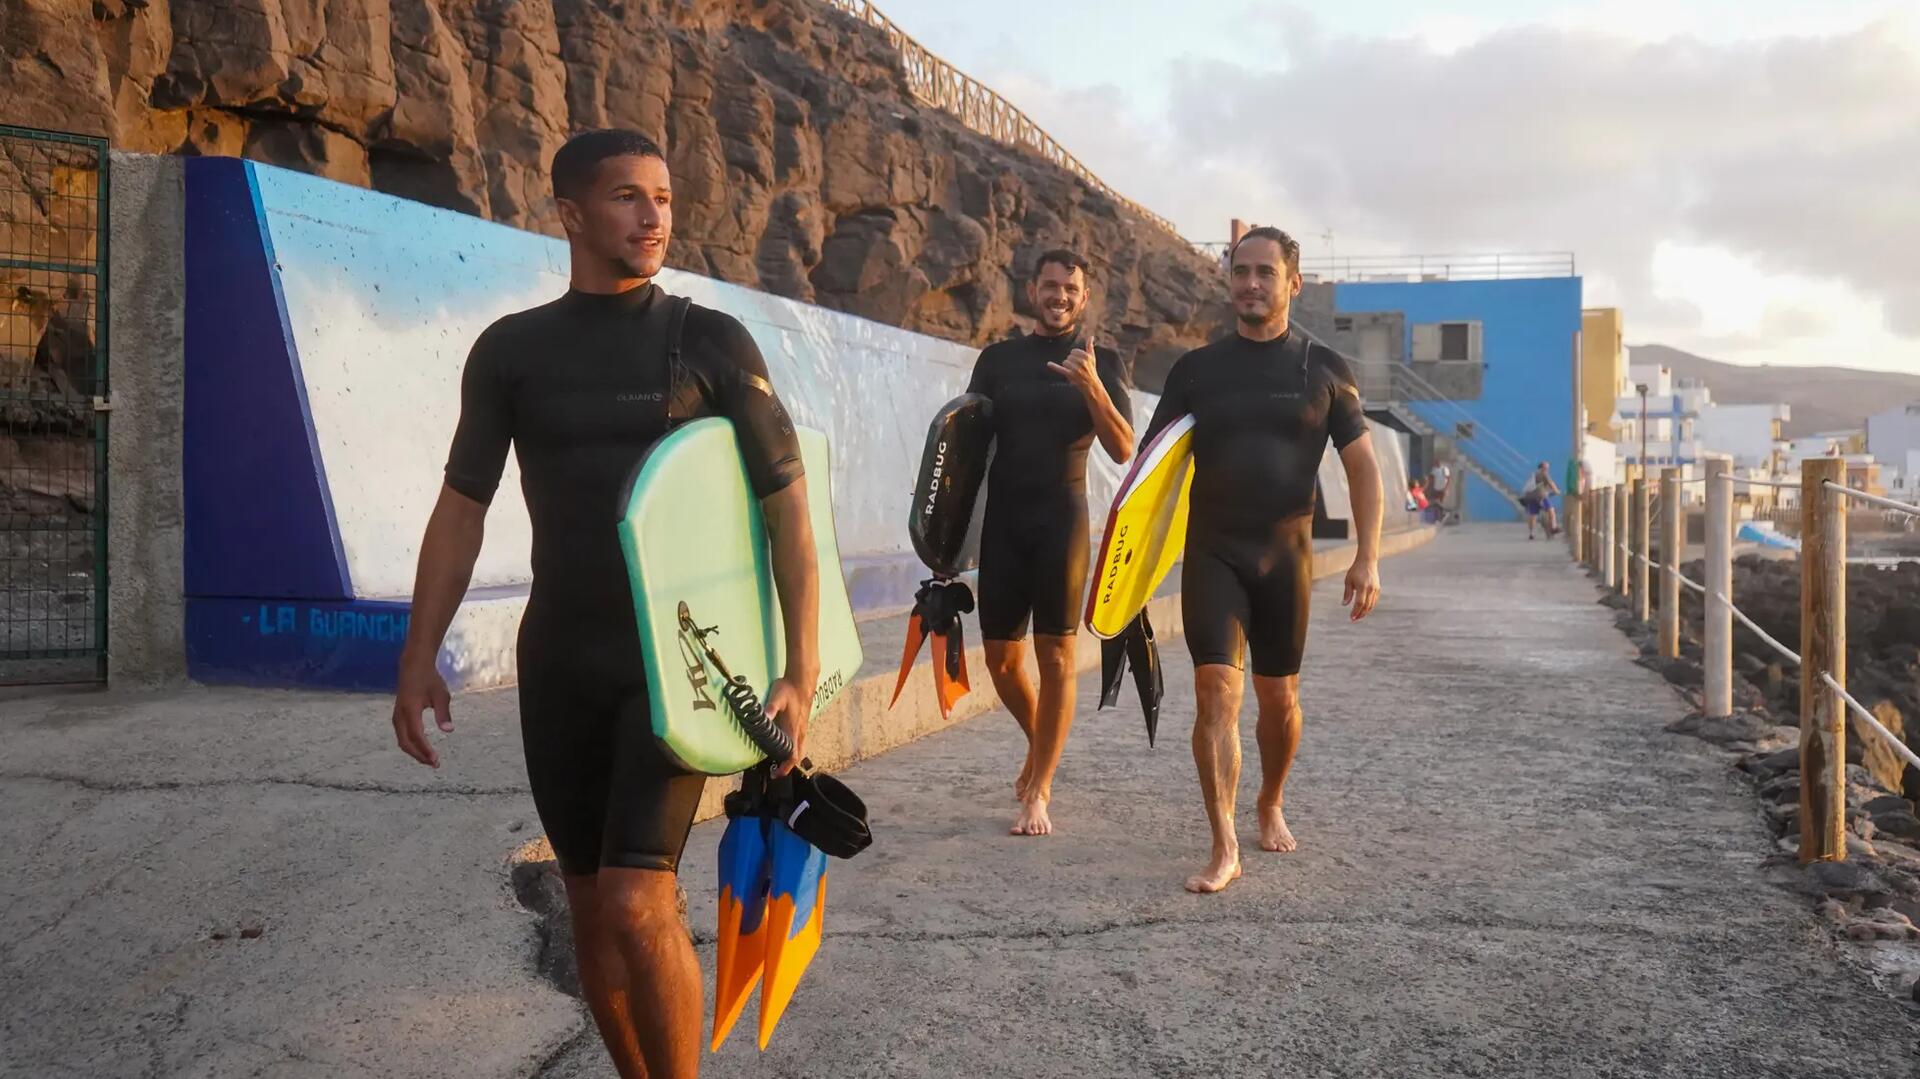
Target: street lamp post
(1642, 387)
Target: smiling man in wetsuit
(580, 389)
(1265, 401)
(1054, 391)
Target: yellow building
(1603, 363)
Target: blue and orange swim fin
(796, 913)
(746, 874)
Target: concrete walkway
(1508, 868)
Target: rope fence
(1899, 748)
(1613, 536)
(1862, 496)
(1739, 480)
(1792, 656)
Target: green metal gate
(53, 407)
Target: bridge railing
(1497, 266)
(943, 86)
(1614, 538)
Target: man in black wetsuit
(1053, 391)
(580, 388)
(1264, 403)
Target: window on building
(1342, 323)
(1453, 341)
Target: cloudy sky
(1742, 177)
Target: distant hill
(1822, 398)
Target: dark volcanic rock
(802, 164)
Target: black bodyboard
(953, 470)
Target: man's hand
(788, 705)
(1363, 588)
(1079, 370)
(421, 688)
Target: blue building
(1487, 360)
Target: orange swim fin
(950, 668)
(916, 634)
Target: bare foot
(1222, 871)
(1021, 784)
(1274, 834)
(1033, 819)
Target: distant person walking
(1537, 500)
(1439, 481)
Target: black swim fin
(1143, 655)
(1113, 669)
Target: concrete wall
(327, 328)
(290, 408)
(1452, 381)
(145, 519)
(1372, 341)
(1530, 330)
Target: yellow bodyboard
(1146, 530)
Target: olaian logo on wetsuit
(649, 396)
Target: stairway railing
(1402, 386)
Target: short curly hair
(575, 163)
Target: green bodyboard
(692, 534)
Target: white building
(1902, 477)
(1750, 434)
(1893, 436)
(1807, 446)
(1668, 411)
(1602, 460)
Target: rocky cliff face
(802, 165)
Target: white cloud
(1782, 175)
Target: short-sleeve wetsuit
(580, 389)
(1033, 540)
(1263, 412)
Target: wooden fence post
(1673, 538)
(1718, 631)
(1576, 521)
(1823, 648)
(1642, 542)
(1622, 534)
(1608, 544)
(1592, 523)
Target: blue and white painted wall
(326, 329)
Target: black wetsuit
(580, 389)
(1033, 541)
(1263, 412)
